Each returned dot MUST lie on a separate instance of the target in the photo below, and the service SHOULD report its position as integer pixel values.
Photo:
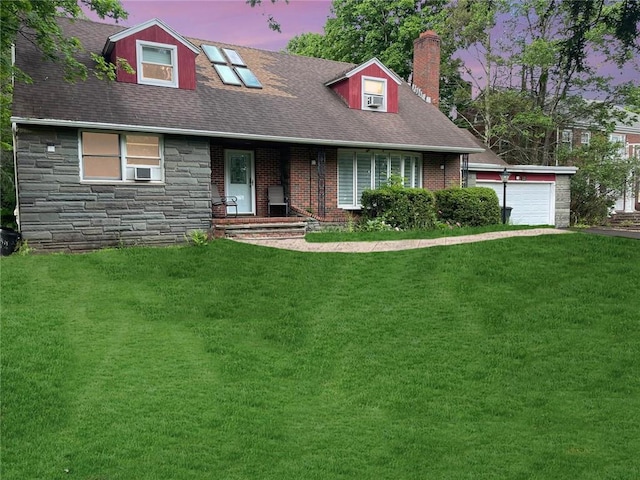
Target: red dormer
(370, 86)
(158, 54)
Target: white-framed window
(620, 140)
(362, 169)
(157, 64)
(585, 138)
(567, 139)
(374, 94)
(120, 157)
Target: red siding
(351, 89)
(342, 89)
(126, 48)
(518, 176)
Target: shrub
(399, 207)
(473, 206)
(198, 238)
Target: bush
(399, 207)
(472, 207)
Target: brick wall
(57, 212)
(440, 170)
(426, 65)
(270, 169)
(299, 166)
(305, 170)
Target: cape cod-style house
(137, 160)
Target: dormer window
(374, 94)
(157, 64)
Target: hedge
(473, 206)
(400, 207)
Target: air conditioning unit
(142, 174)
(374, 101)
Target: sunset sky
(235, 22)
(232, 21)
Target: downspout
(14, 131)
(14, 141)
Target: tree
(362, 29)
(543, 54)
(273, 23)
(601, 178)
(35, 21)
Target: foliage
(600, 180)
(473, 206)
(399, 207)
(362, 29)
(236, 361)
(199, 238)
(378, 224)
(271, 21)
(24, 249)
(540, 61)
(441, 230)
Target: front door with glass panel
(239, 179)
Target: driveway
(613, 232)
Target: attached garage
(532, 203)
(538, 195)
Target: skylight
(227, 75)
(234, 57)
(213, 54)
(248, 77)
(231, 67)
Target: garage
(532, 203)
(538, 195)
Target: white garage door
(533, 203)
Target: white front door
(239, 179)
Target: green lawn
(514, 359)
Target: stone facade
(563, 201)
(58, 212)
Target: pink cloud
(232, 21)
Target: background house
(626, 134)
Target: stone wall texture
(58, 212)
(563, 201)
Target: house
(627, 135)
(133, 161)
(536, 194)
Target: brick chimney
(426, 65)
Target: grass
(359, 236)
(515, 358)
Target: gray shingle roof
(294, 104)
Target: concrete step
(625, 220)
(261, 230)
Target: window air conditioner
(142, 174)
(374, 101)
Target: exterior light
(504, 176)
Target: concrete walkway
(300, 245)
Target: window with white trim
(361, 169)
(620, 140)
(157, 64)
(120, 157)
(585, 138)
(567, 139)
(374, 94)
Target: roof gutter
(240, 136)
(485, 167)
